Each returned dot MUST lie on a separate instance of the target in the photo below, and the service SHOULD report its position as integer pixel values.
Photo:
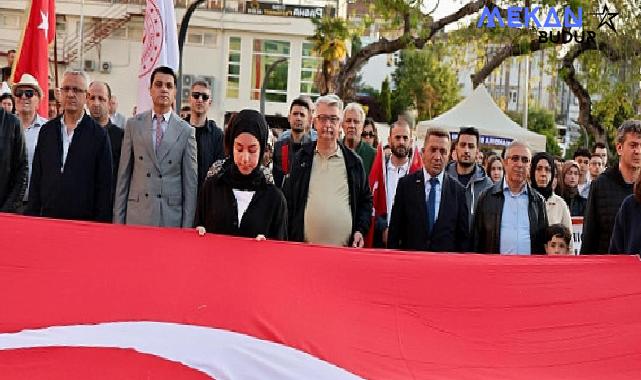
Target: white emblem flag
(159, 46)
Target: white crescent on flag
(218, 353)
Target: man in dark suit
(430, 212)
(98, 97)
(72, 170)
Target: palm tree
(329, 44)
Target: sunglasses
(202, 95)
(367, 134)
(29, 93)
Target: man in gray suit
(157, 177)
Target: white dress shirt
(392, 175)
(31, 134)
(439, 188)
(67, 138)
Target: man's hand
(385, 231)
(358, 240)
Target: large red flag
(378, 186)
(33, 52)
(98, 301)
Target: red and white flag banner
(83, 300)
(33, 51)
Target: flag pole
(55, 58)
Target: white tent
(480, 111)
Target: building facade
(230, 44)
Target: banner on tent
(488, 140)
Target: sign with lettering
(287, 10)
(488, 140)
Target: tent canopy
(480, 111)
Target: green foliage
(613, 109)
(386, 100)
(542, 122)
(424, 82)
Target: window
(309, 69)
(265, 53)
(195, 38)
(233, 68)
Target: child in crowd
(557, 238)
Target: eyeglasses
(75, 90)
(583, 161)
(516, 158)
(29, 93)
(202, 95)
(326, 118)
(367, 134)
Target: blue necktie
(431, 205)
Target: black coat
(408, 225)
(13, 163)
(83, 190)
(607, 192)
(626, 235)
(292, 148)
(115, 139)
(209, 147)
(217, 211)
(486, 229)
(296, 189)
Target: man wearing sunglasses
(209, 138)
(510, 216)
(28, 94)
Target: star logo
(606, 18)
(44, 24)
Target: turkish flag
(378, 186)
(33, 52)
(83, 300)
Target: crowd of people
(311, 183)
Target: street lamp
(182, 35)
(269, 70)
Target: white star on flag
(44, 24)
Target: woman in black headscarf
(542, 172)
(239, 196)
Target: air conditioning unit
(89, 65)
(105, 67)
(187, 80)
(185, 95)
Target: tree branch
(345, 79)
(513, 50)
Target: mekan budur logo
(565, 19)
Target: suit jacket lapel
(76, 142)
(444, 196)
(145, 133)
(421, 199)
(169, 139)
